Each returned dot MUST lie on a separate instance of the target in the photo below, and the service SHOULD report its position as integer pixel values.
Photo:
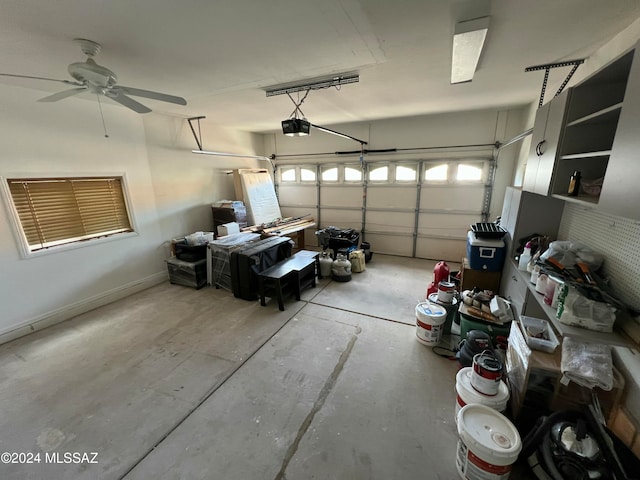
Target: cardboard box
(481, 279)
(228, 229)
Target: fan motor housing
(92, 73)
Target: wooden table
(288, 276)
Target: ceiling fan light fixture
(468, 41)
(296, 127)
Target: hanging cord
(449, 353)
(104, 125)
(298, 104)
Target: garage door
(420, 208)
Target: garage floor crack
(317, 405)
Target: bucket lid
(464, 387)
(431, 309)
(433, 298)
(487, 431)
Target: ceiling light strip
(468, 40)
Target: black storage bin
(247, 262)
(190, 274)
(190, 253)
(338, 238)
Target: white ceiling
(220, 55)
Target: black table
(288, 276)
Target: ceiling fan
(94, 78)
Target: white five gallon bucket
(430, 320)
(466, 394)
(488, 444)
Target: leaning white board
(255, 188)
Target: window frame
(452, 171)
(376, 166)
(328, 167)
(18, 231)
(296, 177)
(415, 166)
(481, 164)
(311, 168)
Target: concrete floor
(177, 383)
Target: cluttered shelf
(613, 338)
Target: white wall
(186, 184)
(170, 190)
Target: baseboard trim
(69, 311)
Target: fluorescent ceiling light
(225, 154)
(468, 41)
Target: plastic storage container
(190, 253)
(190, 274)
(485, 254)
(539, 334)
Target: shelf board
(586, 200)
(608, 114)
(577, 156)
(613, 338)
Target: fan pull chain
(104, 126)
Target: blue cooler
(485, 253)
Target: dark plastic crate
(189, 274)
(190, 253)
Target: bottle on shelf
(525, 256)
(574, 184)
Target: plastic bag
(577, 310)
(587, 364)
(570, 253)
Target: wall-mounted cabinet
(598, 135)
(547, 131)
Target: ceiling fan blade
(64, 94)
(68, 82)
(129, 103)
(163, 97)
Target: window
(288, 174)
(330, 174)
(405, 174)
(307, 175)
(436, 174)
(379, 174)
(59, 211)
(469, 173)
(352, 174)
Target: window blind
(56, 211)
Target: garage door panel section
(390, 244)
(296, 195)
(466, 198)
(391, 222)
(391, 197)
(294, 212)
(341, 218)
(441, 249)
(341, 196)
(445, 225)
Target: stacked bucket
(488, 443)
